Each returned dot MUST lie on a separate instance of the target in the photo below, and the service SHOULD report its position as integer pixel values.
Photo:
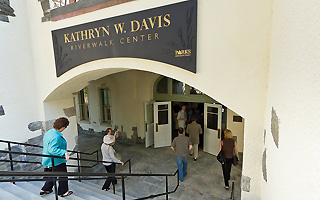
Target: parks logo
(182, 53)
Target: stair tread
(5, 195)
(96, 186)
(39, 185)
(98, 191)
(19, 191)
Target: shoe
(45, 192)
(191, 154)
(66, 194)
(195, 159)
(106, 189)
(227, 188)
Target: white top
(181, 115)
(108, 154)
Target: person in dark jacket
(228, 146)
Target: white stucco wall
(294, 85)
(17, 80)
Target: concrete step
(98, 192)
(39, 185)
(19, 191)
(5, 195)
(82, 191)
(118, 189)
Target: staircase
(23, 161)
(81, 191)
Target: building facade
(260, 59)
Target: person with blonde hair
(228, 146)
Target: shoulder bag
(220, 156)
(235, 158)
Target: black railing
(78, 153)
(85, 176)
(80, 176)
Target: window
(195, 91)
(84, 104)
(162, 86)
(178, 87)
(105, 105)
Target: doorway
(193, 109)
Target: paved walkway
(204, 180)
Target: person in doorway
(55, 145)
(181, 145)
(182, 117)
(228, 146)
(108, 156)
(194, 130)
(198, 116)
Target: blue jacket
(53, 144)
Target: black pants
(63, 184)
(226, 168)
(111, 179)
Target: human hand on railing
(67, 155)
(121, 163)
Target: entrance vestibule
(210, 114)
(143, 105)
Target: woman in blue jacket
(55, 145)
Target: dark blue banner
(166, 34)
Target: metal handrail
(87, 176)
(80, 176)
(39, 146)
(49, 156)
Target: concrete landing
(204, 180)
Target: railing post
(78, 165)
(97, 156)
(178, 178)
(123, 188)
(129, 166)
(232, 191)
(114, 187)
(54, 179)
(167, 195)
(10, 157)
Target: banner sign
(166, 34)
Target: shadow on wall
(123, 137)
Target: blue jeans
(182, 166)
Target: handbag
(235, 160)
(220, 157)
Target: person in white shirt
(182, 117)
(108, 155)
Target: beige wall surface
(293, 92)
(128, 91)
(237, 128)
